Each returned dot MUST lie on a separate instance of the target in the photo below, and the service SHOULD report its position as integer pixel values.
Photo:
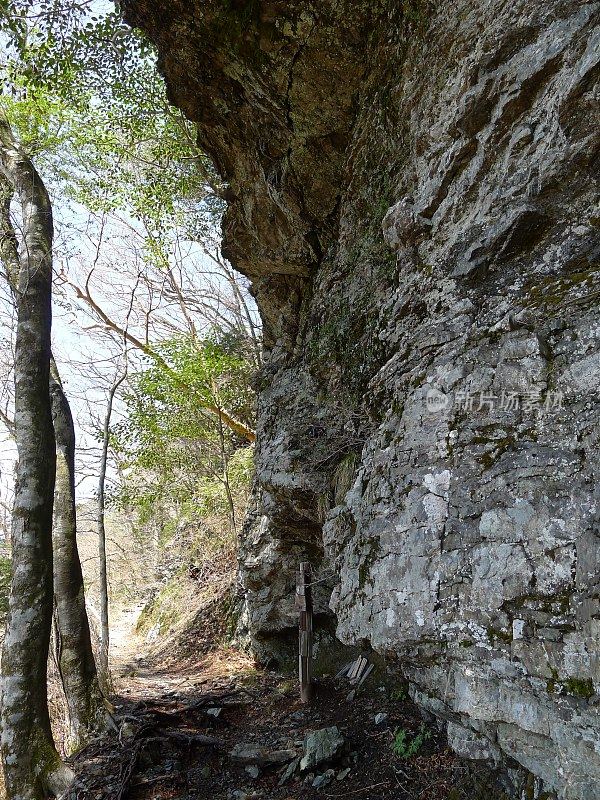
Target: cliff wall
(413, 191)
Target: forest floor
(203, 721)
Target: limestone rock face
(414, 196)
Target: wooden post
(304, 606)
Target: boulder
(321, 746)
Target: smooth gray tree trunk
(32, 767)
(87, 708)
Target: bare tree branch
(224, 415)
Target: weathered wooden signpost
(304, 606)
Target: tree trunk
(32, 767)
(103, 573)
(87, 709)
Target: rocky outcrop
(413, 192)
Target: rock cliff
(413, 193)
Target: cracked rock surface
(414, 195)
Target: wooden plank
(305, 643)
(300, 602)
(344, 670)
(361, 668)
(366, 674)
(356, 668)
(353, 669)
(303, 602)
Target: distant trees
(174, 452)
(201, 392)
(101, 523)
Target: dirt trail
(125, 644)
(145, 667)
(214, 727)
